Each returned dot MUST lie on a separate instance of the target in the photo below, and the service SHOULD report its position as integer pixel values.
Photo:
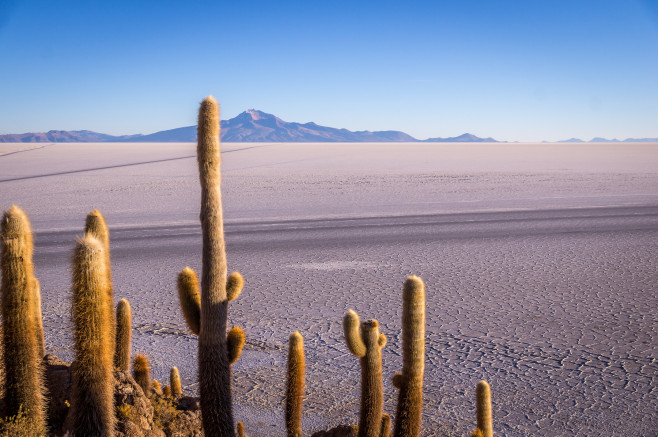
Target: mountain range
(250, 126)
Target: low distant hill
(464, 138)
(249, 126)
(614, 140)
(63, 136)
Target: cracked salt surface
(539, 261)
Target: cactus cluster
(102, 338)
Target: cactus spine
(483, 408)
(410, 399)
(95, 225)
(38, 320)
(157, 387)
(142, 374)
(295, 385)
(166, 391)
(365, 341)
(124, 334)
(92, 399)
(217, 351)
(174, 382)
(24, 386)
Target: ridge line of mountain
(257, 126)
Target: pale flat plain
(539, 260)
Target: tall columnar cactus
(217, 351)
(295, 385)
(24, 387)
(38, 320)
(410, 381)
(483, 408)
(95, 225)
(92, 400)
(174, 382)
(142, 374)
(124, 335)
(365, 341)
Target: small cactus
(166, 391)
(483, 408)
(124, 334)
(157, 387)
(174, 381)
(386, 426)
(142, 374)
(365, 341)
(38, 320)
(295, 385)
(241, 430)
(234, 343)
(24, 385)
(410, 382)
(92, 400)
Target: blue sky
(513, 70)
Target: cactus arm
(234, 342)
(353, 339)
(190, 300)
(38, 320)
(483, 408)
(295, 385)
(410, 398)
(397, 380)
(234, 286)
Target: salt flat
(539, 261)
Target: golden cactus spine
(365, 341)
(142, 374)
(295, 385)
(174, 382)
(483, 408)
(92, 401)
(217, 351)
(410, 381)
(24, 387)
(38, 320)
(166, 391)
(124, 335)
(96, 226)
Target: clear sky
(514, 70)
